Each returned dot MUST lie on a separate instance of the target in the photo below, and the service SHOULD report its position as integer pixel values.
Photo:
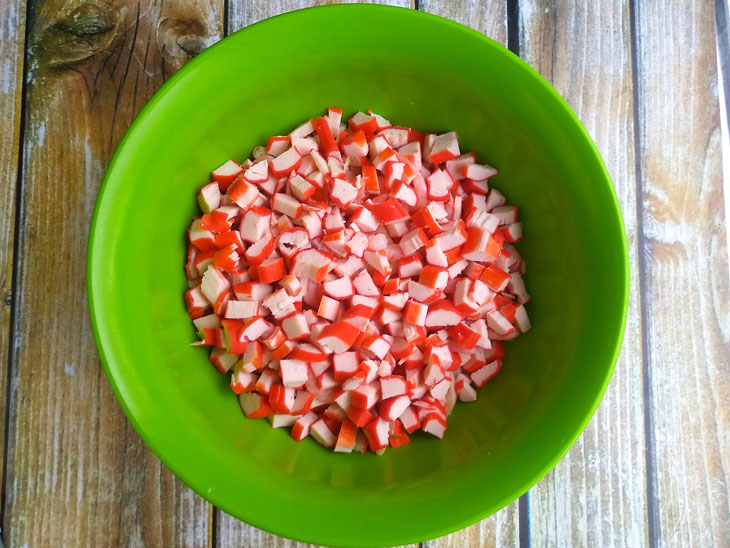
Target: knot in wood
(181, 39)
(79, 34)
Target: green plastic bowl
(417, 70)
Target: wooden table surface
(652, 468)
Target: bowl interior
(432, 75)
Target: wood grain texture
(242, 13)
(596, 495)
(500, 529)
(686, 256)
(12, 43)
(77, 473)
(489, 18)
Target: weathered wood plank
(242, 13)
(686, 264)
(12, 42)
(489, 18)
(500, 529)
(233, 533)
(596, 494)
(77, 473)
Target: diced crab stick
(439, 185)
(196, 302)
(285, 163)
(396, 301)
(256, 328)
(300, 429)
(337, 243)
(271, 270)
(478, 172)
(392, 385)
(464, 336)
(421, 293)
(522, 322)
(292, 240)
(411, 242)
(495, 278)
(281, 399)
(251, 291)
(209, 197)
(507, 214)
(373, 344)
(303, 130)
(497, 322)
(277, 144)
(377, 432)
(255, 224)
(301, 188)
(296, 327)
(358, 315)
(444, 147)
(453, 238)
(243, 193)
(376, 145)
(328, 146)
(443, 314)
(226, 174)
(284, 350)
(512, 232)
(216, 221)
(345, 365)
(214, 284)
(287, 205)
(363, 122)
(339, 289)
(328, 308)
(388, 212)
(434, 424)
(378, 260)
(227, 258)
(322, 433)
(370, 179)
(415, 313)
(254, 406)
(486, 373)
(346, 437)
(242, 309)
(494, 199)
(260, 250)
(258, 173)
(434, 277)
(355, 146)
(308, 353)
(343, 193)
(339, 336)
(456, 166)
(425, 219)
(364, 219)
(356, 280)
(294, 373)
(311, 264)
(392, 408)
(334, 117)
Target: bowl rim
(106, 356)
